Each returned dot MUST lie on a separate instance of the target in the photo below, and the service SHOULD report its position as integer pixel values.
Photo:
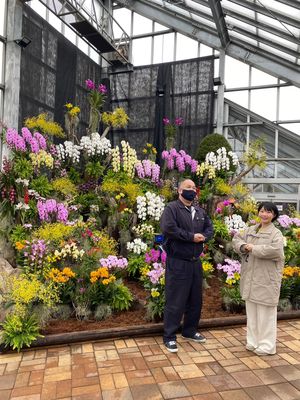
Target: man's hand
(198, 237)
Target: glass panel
(2, 17)
(186, 48)
(69, 34)
(240, 97)
(279, 40)
(236, 73)
(206, 51)
(257, 188)
(2, 49)
(158, 27)
(55, 21)
(277, 52)
(289, 101)
(141, 51)
(288, 169)
(83, 46)
(39, 8)
(292, 127)
(168, 47)
(158, 49)
(277, 24)
(268, 172)
(263, 102)
(261, 78)
(237, 8)
(280, 188)
(262, 132)
(123, 17)
(237, 137)
(141, 24)
(288, 146)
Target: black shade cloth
(180, 89)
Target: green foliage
(19, 331)
(64, 186)
(42, 186)
(286, 289)
(155, 307)
(23, 168)
(135, 263)
(211, 142)
(205, 194)
(18, 234)
(74, 175)
(55, 232)
(232, 299)
(121, 297)
(94, 169)
(220, 229)
(256, 155)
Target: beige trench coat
(261, 269)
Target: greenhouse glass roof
(262, 33)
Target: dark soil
(212, 308)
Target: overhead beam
(218, 15)
(239, 50)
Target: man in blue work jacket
(186, 227)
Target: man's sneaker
(196, 338)
(171, 346)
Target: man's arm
(170, 228)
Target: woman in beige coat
(261, 250)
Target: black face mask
(188, 194)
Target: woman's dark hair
(269, 206)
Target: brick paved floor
(141, 368)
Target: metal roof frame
(219, 33)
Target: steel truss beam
(99, 20)
(218, 15)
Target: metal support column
(220, 99)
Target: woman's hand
(248, 247)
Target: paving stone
(296, 383)
(22, 379)
(146, 392)
(286, 391)
(208, 396)
(170, 390)
(223, 382)
(238, 394)
(64, 389)
(159, 375)
(261, 393)
(246, 379)
(199, 386)
(36, 378)
(120, 380)
(269, 376)
(107, 382)
(289, 372)
(26, 391)
(7, 381)
(5, 394)
(87, 390)
(118, 394)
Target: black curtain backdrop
(53, 73)
(180, 89)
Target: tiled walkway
(141, 368)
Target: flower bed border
(139, 330)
